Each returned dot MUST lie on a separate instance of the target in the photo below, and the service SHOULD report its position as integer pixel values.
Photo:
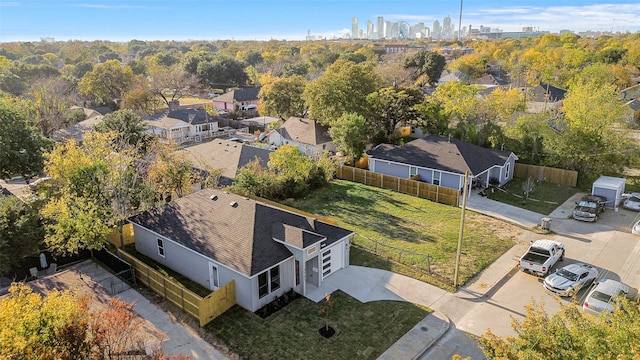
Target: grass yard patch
(363, 331)
(543, 199)
(412, 224)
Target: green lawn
(363, 331)
(413, 224)
(543, 199)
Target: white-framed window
(268, 281)
(214, 276)
(274, 274)
(436, 177)
(160, 247)
(413, 171)
(263, 284)
(506, 171)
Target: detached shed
(610, 187)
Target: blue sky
(116, 20)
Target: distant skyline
(117, 20)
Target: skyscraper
(447, 30)
(436, 30)
(369, 30)
(354, 28)
(380, 28)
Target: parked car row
(568, 280)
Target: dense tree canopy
(107, 82)
(22, 145)
(343, 88)
(282, 97)
(21, 231)
(427, 64)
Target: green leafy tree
(430, 118)
(106, 82)
(282, 97)
(222, 71)
(289, 174)
(343, 88)
(128, 127)
(586, 139)
(568, 334)
(426, 63)
(393, 106)
(350, 134)
(21, 144)
(21, 231)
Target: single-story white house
(213, 237)
(443, 161)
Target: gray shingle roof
(442, 153)
(239, 236)
(239, 95)
(226, 155)
(547, 92)
(304, 131)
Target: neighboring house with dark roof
(182, 125)
(234, 99)
(544, 98)
(490, 81)
(229, 156)
(214, 237)
(443, 161)
(311, 138)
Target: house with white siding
(214, 237)
(311, 138)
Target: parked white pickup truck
(541, 256)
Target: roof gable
(442, 153)
(230, 229)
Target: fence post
(418, 188)
(148, 278)
(365, 177)
(164, 287)
(429, 264)
(375, 246)
(182, 296)
(400, 256)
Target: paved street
(607, 244)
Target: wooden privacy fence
(548, 174)
(127, 234)
(424, 190)
(204, 309)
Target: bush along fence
(418, 261)
(203, 309)
(420, 189)
(548, 174)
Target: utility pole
(464, 206)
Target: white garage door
(331, 261)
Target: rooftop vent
(233, 204)
(213, 197)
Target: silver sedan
(632, 202)
(568, 280)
